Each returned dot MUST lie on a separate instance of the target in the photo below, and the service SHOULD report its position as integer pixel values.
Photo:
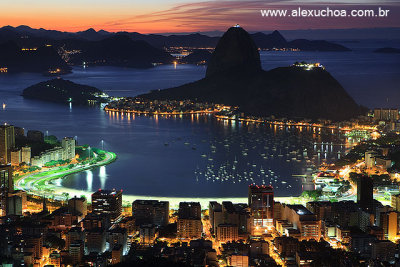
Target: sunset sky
(157, 16)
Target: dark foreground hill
(39, 59)
(234, 77)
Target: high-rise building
(14, 205)
(300, 218)
(150, 212)
(7, 141)
(189, 210)
(370, 158)
(95, 240)
(389, 221)
(78, 204)
(189, 224)
(74, 234)
(189, 228)
(76, 251)
(116, 254)
(147, 234)
(396, 202)
(107, 202)
(365, 189)
(386, 114)
(261, 203)
(26, 155)
(227, 233)
(6, 187)
(68, 145)
(15, 156)
(228, 213)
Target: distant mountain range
(234, 77)
(29, 36)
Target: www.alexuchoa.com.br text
(325, 12)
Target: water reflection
(103, 176)
(89, 180)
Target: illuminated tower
(7, 141)
(107, 202)
(261, 203)
(6, 187)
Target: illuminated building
(389, 221)
(147, 234)
(7, 141)
(15, 156)
(116, 254)
(55, 259)
(150, 212)
(303, 220)
(261, 203)
(189, 225)
(386, 114)
(228, 213)
(238, 260)
(6, 187)
(227, 233)
(189, 228)
(365, 197)
(107, 202)
(26, 155)
(68, 145)
(396, 202)
(370, 159)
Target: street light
(89, 153)
(102, 144)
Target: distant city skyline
(156, 16)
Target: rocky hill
(234, 77)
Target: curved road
(30, 182)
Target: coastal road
(29, 182)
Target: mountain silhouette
(234, 77)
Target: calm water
(197, 156)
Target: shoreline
(24, 183)
(173, 201)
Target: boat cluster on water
(264, 156)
